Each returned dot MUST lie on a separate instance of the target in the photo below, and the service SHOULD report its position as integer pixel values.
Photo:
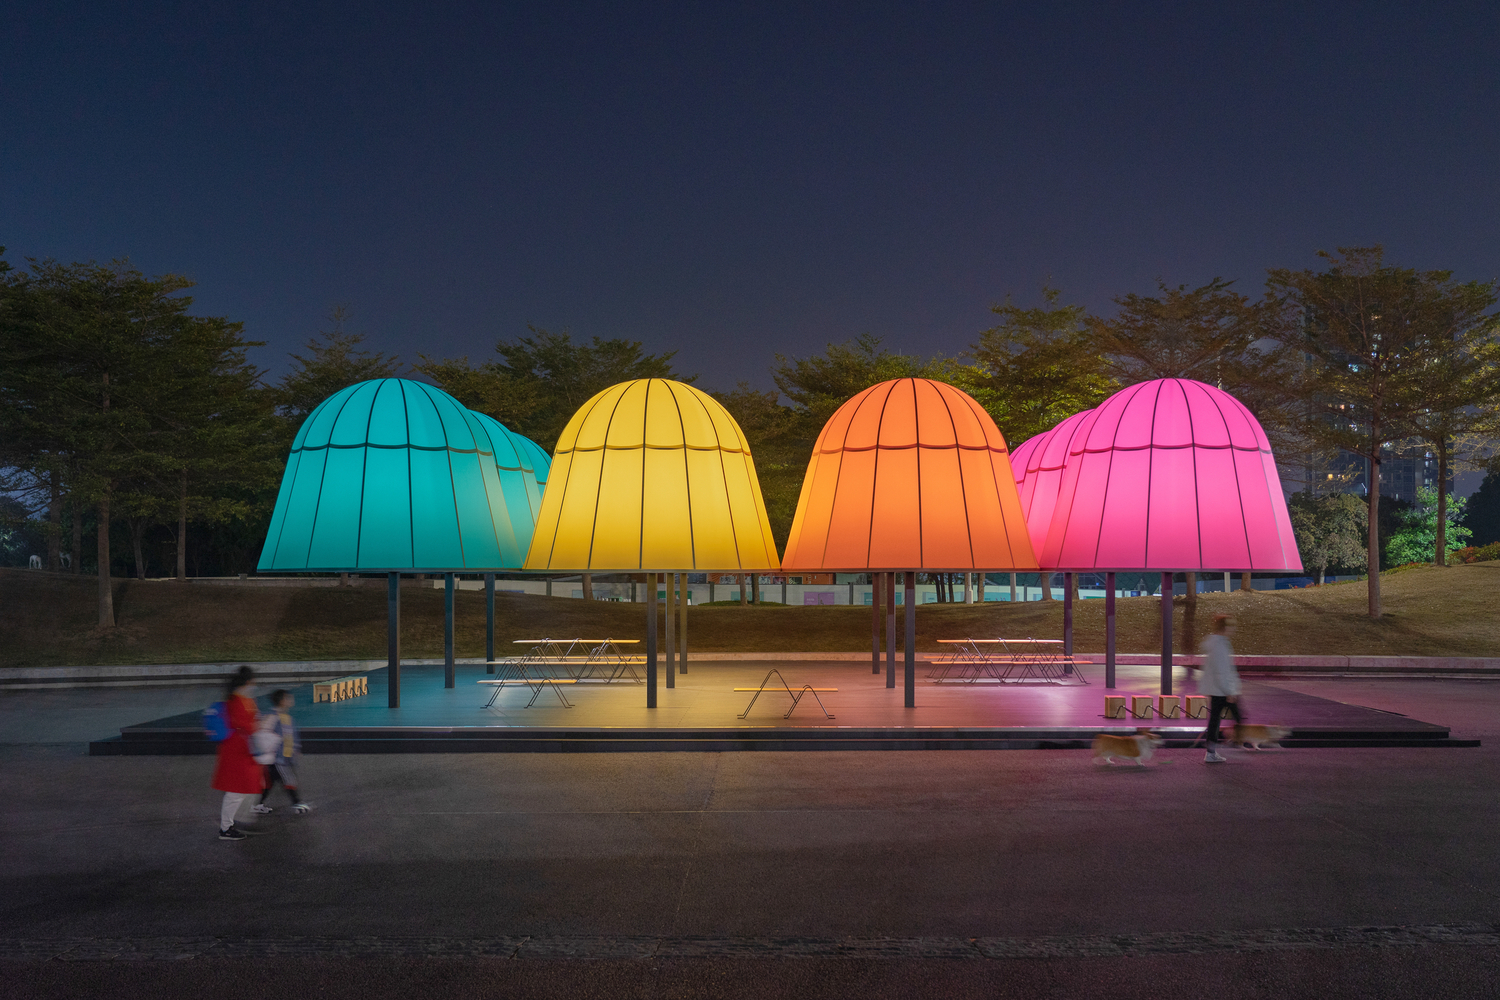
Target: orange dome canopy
(909, 474)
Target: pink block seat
(1165, 475)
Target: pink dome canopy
(1040, 473)
(1165, 475)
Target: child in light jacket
(277, 747)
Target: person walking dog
(1220, 681)
(237, 774)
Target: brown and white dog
(1260, 737)
(1138, 748)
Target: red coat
(237, 770)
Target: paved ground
(1026, 873)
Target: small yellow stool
(1114, 706)
(1197, 706)
(1169, 706)
(1140, 706)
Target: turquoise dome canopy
(523, 474)
(396, 475)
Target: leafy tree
(537, 383)
(1454, 393)
(1482, 515)
(1330, 529)
(780, 448)
(334, 360)
(1420, 529)
(1369, 337)
(1038, 367)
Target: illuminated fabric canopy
(522, 467)
(909, 474)
(1038, 466)
(652, 475)
(1169, 475)
(396, 475)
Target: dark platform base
(511, 740)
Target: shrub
(1483, 553)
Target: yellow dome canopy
(652, 475)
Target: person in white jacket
(1220, 681)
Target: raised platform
(700, 713)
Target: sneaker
(1213, 757)
(302, 808)
(233, 833)
(262, 808)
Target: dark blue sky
(733, 181)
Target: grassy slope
(48, 619)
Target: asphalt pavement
(1370, 872)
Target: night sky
(735, 181)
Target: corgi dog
(1260, 737)
(1138, 748)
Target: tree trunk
(755, 588)
(1245, 583)
(1440, 556)
(343, 579)
(1046, 581)
(106, 595)
(137, 528)
(182, 531)
(587, 581)
(744, 597)
(54, 524)
(76, 554)
(1320, 575)
(1372, 561)
(1192, 587)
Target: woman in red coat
(237, 775)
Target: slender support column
(1166, 633)
(682, 624)
(968, 588)
(890, 630)
(393, 639)
(650, 640)
(875, 602)
(1109, 630)
(1226, 581)
(1012, 575)
(489, 623)
(911, 639)
(448, 680)
(670, 634)
(1067, 614)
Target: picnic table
(1006, 661)
(549, 663)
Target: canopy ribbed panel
(1039, 467)
(1169, 475)
(393, 474)
(909, 474)
(652, 475)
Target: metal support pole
(968, 588)
(1012, 575)
(1166, 633)
(1067, 614)
(670, 633)
(890, 630)
(448, 680)
(875, 583)
(393, 639)
(650, 640)
(1109, 630)
(682, 624)
(489, 623)
(911, 639)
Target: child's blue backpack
(216, 722)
